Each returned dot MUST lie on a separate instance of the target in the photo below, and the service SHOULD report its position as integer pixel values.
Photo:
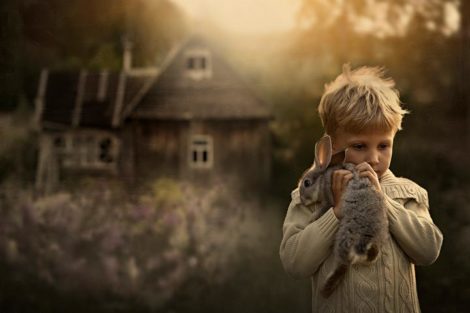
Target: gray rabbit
(364, 225)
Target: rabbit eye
(307, 183)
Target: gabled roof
(104, 99)
(175, 95)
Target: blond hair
(361, 99)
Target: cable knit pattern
(405, 288)
(387, 270)
(326, 306)
(366, 287)
(387, 285)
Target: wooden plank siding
(240, 150)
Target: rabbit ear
(323, 152)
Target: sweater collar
(388, 178)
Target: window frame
(200, 145)
(198, 64)
(82, 150)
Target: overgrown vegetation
(101, 248)
(18, 148)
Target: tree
(414, 40)
(346, 27)
(464, 60)
(383, 18)
(10, 39)
(76, 34)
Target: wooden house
(192, 118)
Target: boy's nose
(373, 158)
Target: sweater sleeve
(306, 241)
(411, 224)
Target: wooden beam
(39, 101)
(116, 121)
(77, 112)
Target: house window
(201, 153)
(105, 150)
(191, 63)
(198, 64)
(59, 143)
(89, 150)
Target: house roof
(224, 95)
(104, 99)
(86, 99)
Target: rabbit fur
(364, 225)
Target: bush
(18, 147)
(98, 245)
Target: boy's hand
(365, 170)
(339, 183)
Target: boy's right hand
(339, 182)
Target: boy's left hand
(365, 170)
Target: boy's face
(372, 146)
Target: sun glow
(244, 16)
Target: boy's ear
(323, 151)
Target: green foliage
(69, 35)
(97, 29)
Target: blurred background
(132, 230)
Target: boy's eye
(383, 146)
(358, 146)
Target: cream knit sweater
(389, 284)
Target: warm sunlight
(245, 16)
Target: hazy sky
(244, 15)
(255, 16)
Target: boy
(361, 112)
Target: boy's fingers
(364, 166)
(346, 178)
(372, 177)
(341, 173)
(335, 180)
(368, 173)
(339, 177)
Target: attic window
(198, 64)
(201, 153)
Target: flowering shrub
(98, 241)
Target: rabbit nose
(307, 183)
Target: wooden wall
(152, 149)
(241, 151)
